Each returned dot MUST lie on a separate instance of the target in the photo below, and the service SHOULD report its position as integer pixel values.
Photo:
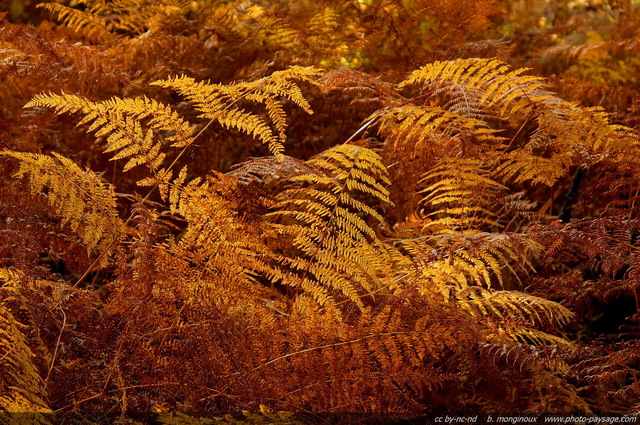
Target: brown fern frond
(535, 368)
(605, 246)
(82, 199)
(378, 345)
(619, 189)
(596, 262)
(37, 60)
(269, 172)
(608, 375)
(374, 89)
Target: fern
(378, 345)
(418, 126)
(22, 390)
(219, 240)
(83, 200)
(461, 260)
(218, 102)
(350, 81)
(269, 172)
(411, 272)
(108, 20)
(515, 305)
(86, 23)
(512, 91)
(339, 249)
(460, 194)
(121, 121)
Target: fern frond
(460, 194)
(22, 390)
(83, 200)
(420, 127)
(538, 311)
(378, 345)
(500, 86)
(269, 172)
(109, 20)
(86, 23)
(347, 80)
(454, 262)
(217, 102)
(520, 167)
(608, 373)
(222, 238)
(121, 121)
(339, 249)
(537, 366)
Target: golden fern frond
(566, 136)
(587, 132)
(500, 86)
(519, 167)
(121, 121)
(518, 333)
(83, 200)
(331, 228)
(421, 126)
(109, 20)
(597, 136)
(460, 194)
(22, 390)
(218, 102)
(86, 23)
(537, 311)
(453, 262)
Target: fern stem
(337, 344)
(55, 350)
(360, 130)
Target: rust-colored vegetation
(386, 206)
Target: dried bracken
(225, 208)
